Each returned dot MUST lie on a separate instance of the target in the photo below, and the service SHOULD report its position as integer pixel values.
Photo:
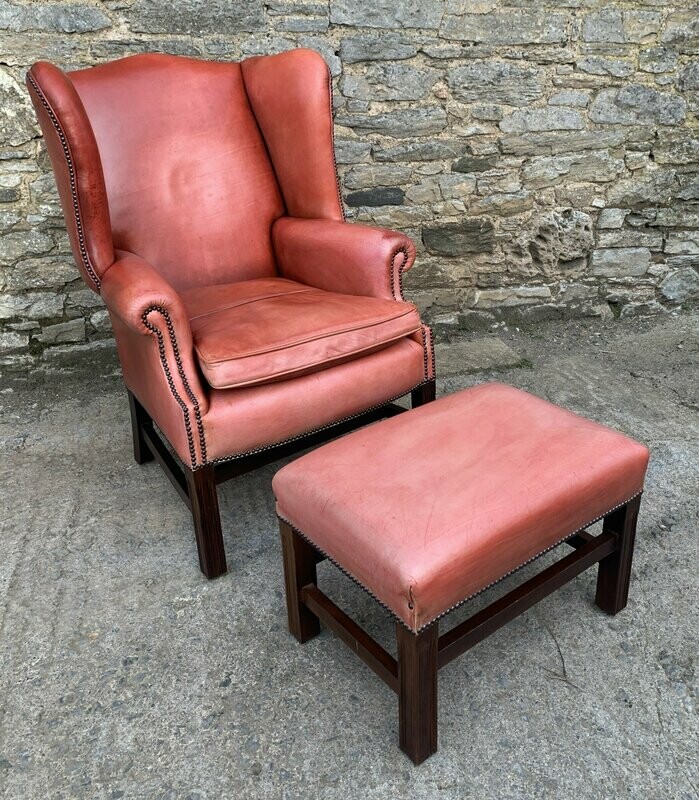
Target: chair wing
(291, 97)
(76, 164)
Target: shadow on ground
(124, 673)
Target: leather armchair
(202, 203)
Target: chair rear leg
(201, 484)
(423, 394)
(615, 570)
(140, 419)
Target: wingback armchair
(202, 203)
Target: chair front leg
(423, 394)
(201, 485)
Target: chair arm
(132, 289)
(154, 339)
(343, 257)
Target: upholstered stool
(431, 507)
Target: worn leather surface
(342, 256)
(272, 329)
(239, 420)
(190, 186)
(150, 323)
(76, 164)
(172, 172)
(290, 96)
(429, 507)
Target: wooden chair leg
(615, 570)
(417, 691)
(201, 484)
(300, 561)
(139, 420)
(423, 394)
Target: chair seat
(429, 507)
(270, 329)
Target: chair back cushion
(189, 183)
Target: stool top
(428, 508)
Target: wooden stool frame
(413, 675)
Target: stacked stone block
(544, 156)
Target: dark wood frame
(413, 675)
(197, 488)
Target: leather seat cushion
(271, 329)
(430, 507)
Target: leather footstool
(431, 507)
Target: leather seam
(327, 426)
(332, 146)
(168, 376)
(247, 302)
(345, 571)
(72, 177)
(335, 361)
(308, 340)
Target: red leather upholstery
(190, 186)
(430, 507)
(340, 257)
(290, 94)
(283, 328)
(240, 420)
(172, 173)
(77, 167)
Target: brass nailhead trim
(533, 558)
(466, 599)
(71, 176)
(161, 345)
(168, 375)
(404, 250)
(332, 146)
(399, 296)
(329, 425)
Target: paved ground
(123, 673)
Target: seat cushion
(430, 507)
(271, 329)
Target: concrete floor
(124, 673)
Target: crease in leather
(315, 337)
(230, 306)
(341, 358)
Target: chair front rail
(226, 470)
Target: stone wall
(544, 156)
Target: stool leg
(615, 570)
(300, 560)
(417, 691)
